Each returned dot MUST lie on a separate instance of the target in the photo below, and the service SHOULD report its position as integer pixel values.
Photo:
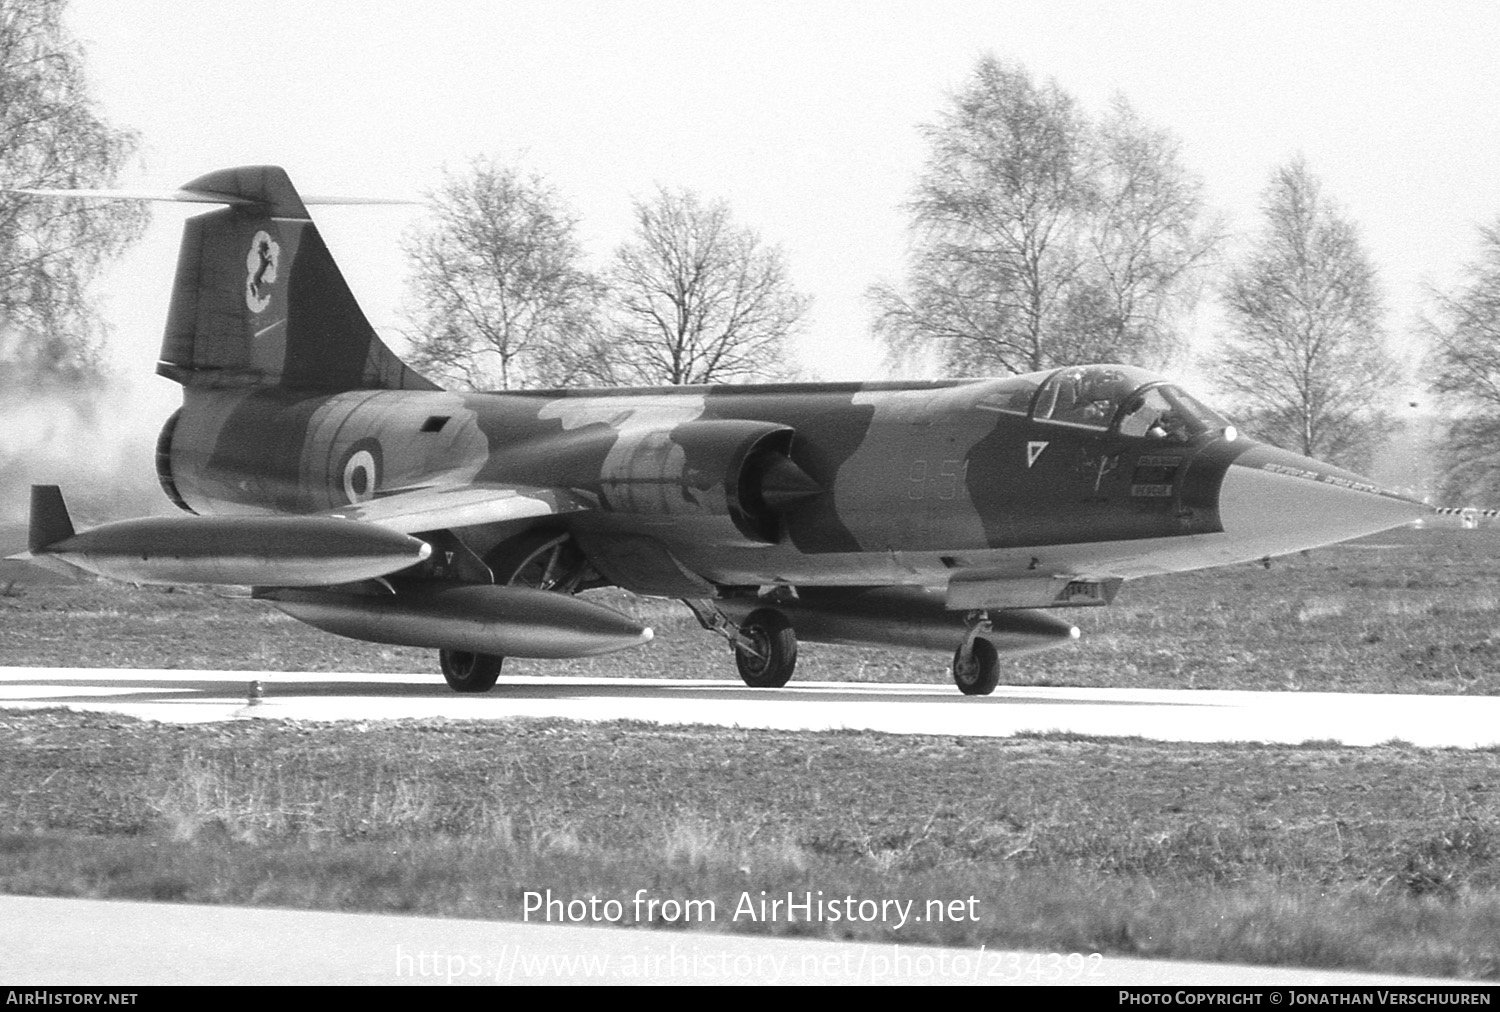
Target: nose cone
(1273, 502)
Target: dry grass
(1381, 858)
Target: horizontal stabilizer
(207, 197)
(176, 196)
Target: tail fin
(50, 522)
(258, 300)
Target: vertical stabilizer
(258, 300)
(50, 522)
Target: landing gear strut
(544, 560)
(764, 644)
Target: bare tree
(53, 137)
(499, 296)
(699, 299)
(1042, 238)
(1147, 239)
(994, 221)
(1305, 356)
(1463, 368)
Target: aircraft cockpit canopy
(1132, 401)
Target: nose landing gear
(976, 663)
(766, 651)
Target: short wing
(431, 509)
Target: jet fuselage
(891, 483)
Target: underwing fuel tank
(904, 617)
(480, 618)
(288, 551)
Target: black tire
(774, 657)
(546, 561)
(470, 672)
(980, 673)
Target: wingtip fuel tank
(281, 550)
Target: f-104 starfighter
(966, 516)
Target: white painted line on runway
(1157, 714)
(51, 693)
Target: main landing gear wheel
(979, 673)
(546, 561)
(768, 654)
(470, 672)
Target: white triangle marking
(1033, 451)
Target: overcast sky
(804, 116)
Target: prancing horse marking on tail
(261, 263)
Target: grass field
(1381, 858)
(1385, 858)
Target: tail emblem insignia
(260, 271)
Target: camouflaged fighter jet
(960, 515)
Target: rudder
(259, 301)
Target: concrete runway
(1158, 714)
